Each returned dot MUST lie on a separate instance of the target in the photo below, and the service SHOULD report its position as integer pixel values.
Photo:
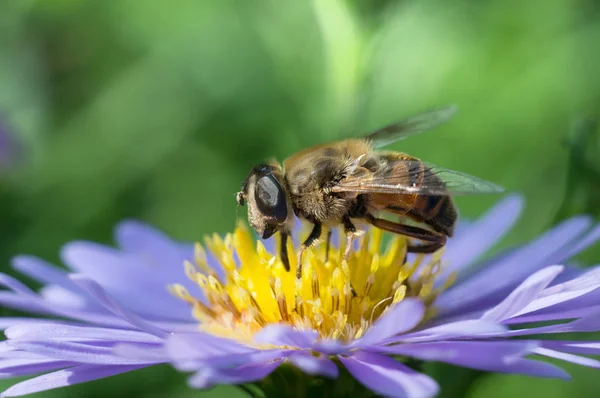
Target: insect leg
(350, 230)
(350, 236)
(434, 240)
(283, 252)
(314, 235)
(327, 244)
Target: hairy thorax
(310, 176)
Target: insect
(340, 183)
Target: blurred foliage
(156, 110)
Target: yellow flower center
(338, 299)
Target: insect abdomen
(436, 211)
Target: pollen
(336, 297)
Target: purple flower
(248, 316)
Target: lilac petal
(285, 335)
(576, 359)
(116, 270)
(6, 322)
(75, 352)
(574, 347)
(16, 286)
(484, 355)
(190, 351)
(553, 316)
(460, 329)
(20, 302)
(481, 235)
(331, 347)
(96, 291)
(592, 237)
(209, 377)
(563, 292)
(398, 318)
(43, 272)
(491, 356)
(37, 305)
(137, 237)
(183, 346)
(523, 295)
(66, 377)
(309, 364)
(61, 297)
(589, 323)
(25, 367)
(42, 331)
(508, 270)
(141, 352)
(389, 377)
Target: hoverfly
(342, 182)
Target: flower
(249, 316)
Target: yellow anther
(190, 270)
(399, 294)
(375, 263)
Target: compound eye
(270, 198)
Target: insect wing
(411, 126)
(416, 177)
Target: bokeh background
(113, 109)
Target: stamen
(255, 289)
(315, 284)
(281, 301)
(368, 286)
(335, 299)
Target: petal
(576, 359)
(66, 377)
(25, 367)
(589, 323)
(96, 291)
(75, 352)
(582, 285)
(309, 364)
(193, 351)
(39, 306)
(546, 315)
(491, 356)
(6, 322)
(137, 237)
(389, 377)
(137, 282)
(332, 347)
(481, 235)
(16, 286)
(592, 237)
(506, 271)
(399, 318)
(56, 331)
(523, 295)
(453, 330)
(43, 272)
(574, 347)
(141, 352)
(209, 377)
(285, 335)
(484, 355)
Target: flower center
(339, 299)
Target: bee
(345, 182)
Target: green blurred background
(156, 110)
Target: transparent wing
(416, 177)
(411, 126)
